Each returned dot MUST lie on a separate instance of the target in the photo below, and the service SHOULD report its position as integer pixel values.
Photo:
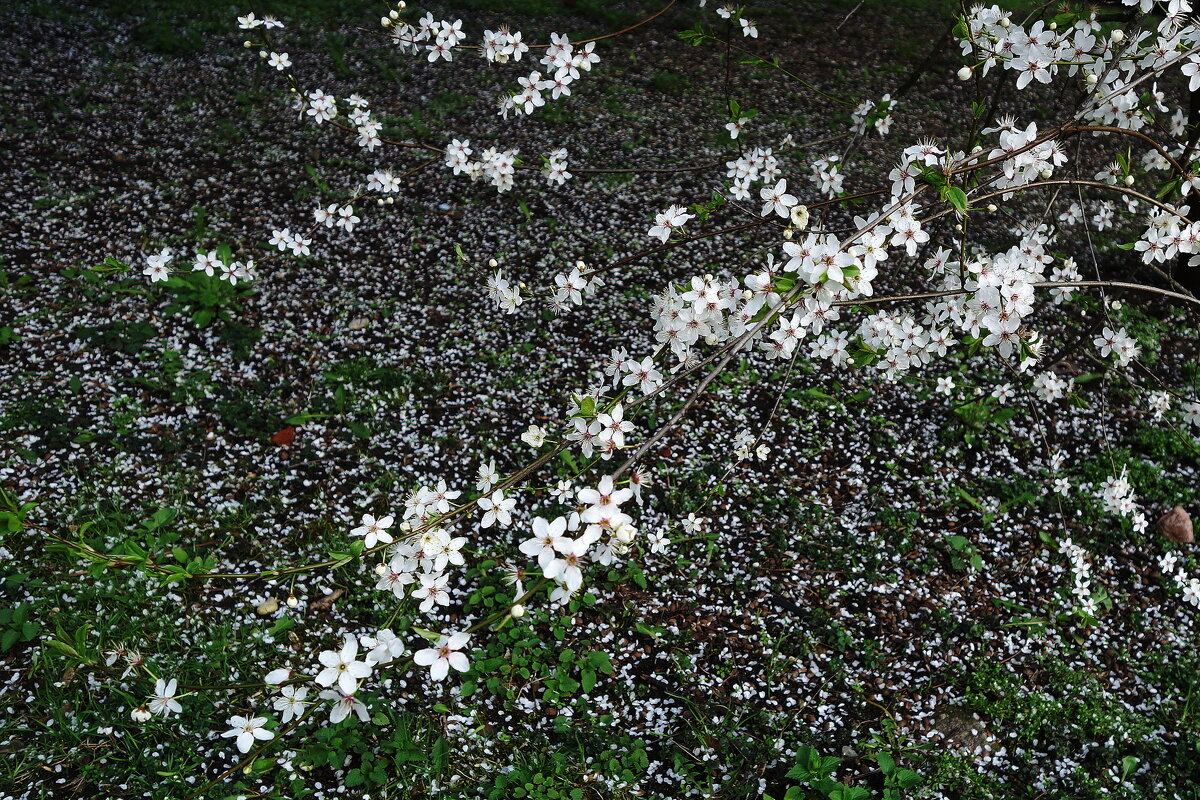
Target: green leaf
(358, 429)
(587, 679)
(906, 778)
(300, 419)
(600, 661)
(957, 198)
(933, 177)
(64, 648)
(648, 630)
(440, 754)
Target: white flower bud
(1046, 173)
(493, 263)
(380, 569)
(247, 44)
(1053, 26)
(385, 21)
(292, 601)
(517, 611)
(262, 53)
(992, 207)
(394, 14)
(1091, 79)
(1118, 36)
(1129, 180)
(1006, 22)
(964, 74)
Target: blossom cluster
(1082, 571)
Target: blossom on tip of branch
(668, 221)
(374, 530)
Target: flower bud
(292, 601)
(1091, 79)
(1053, 26)
(1006, 22)
(262, 53)
(385, 21)
(394, 14)
(247, 43)
(1118, 36)
(1129, 180)
(1046, 173)
(493, 263)
(964, 74)
(517, 611)
(380, 569)
(992, 207)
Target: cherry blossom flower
(432, 591)
(547, 536)
(247, 730)
(341, 667)
(497, 509)
(156, 266)
(668, 221)
(343, 704)
(374, 530)
(163, 702)
(290, 703)
(443, 655)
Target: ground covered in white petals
(907, 575)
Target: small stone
(1176, 525)
(269, 607)
(358, 323)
